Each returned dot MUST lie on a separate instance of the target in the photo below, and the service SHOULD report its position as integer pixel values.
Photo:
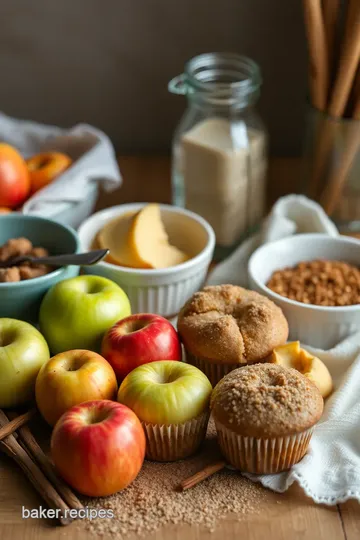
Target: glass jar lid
(220, 78)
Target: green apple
(166, 392)
(23, 351)
(76, 313)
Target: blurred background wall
(108, 62)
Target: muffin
(172, 400)
(264, 416)
(224, 327)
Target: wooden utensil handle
(319, 65)
(324, 141)
(333, 190)
(349, 62)
(331, 9)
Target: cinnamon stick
(318, 55)
(30, 443)
(17, 422)
(198, 477)
(12, 448)
(349, 62)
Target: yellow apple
(70, 378)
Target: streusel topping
(266, 400)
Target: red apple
(14, 177)
(70, 378)
(98, 447)
(140, 339)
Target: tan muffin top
(232, 325)
(266, 400)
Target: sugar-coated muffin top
(231, 325)
(266, 400)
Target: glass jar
(219, 158)
(332, 167)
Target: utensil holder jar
(332, 167)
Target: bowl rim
(208, 249)
(55, 273)
(300, 237)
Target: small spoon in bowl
(77, 259)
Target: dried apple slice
(292, 355)
(115, 236)
(286, 355)
(148, 240)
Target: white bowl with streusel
(315, 279)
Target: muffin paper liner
(262, 456)
(214, 371)
(175, 441)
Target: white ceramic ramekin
(162, 291)
(318, 326)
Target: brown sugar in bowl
(224, 327)
(264, 416)
(321, 326)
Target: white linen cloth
(293, 214)
(95, 161)
(330, 472)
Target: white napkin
(95, 161)
(330, 472)
(293, 214)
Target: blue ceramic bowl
(21, 300)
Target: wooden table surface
(282, 517)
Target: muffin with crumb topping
(224, 327)
(264, 416)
